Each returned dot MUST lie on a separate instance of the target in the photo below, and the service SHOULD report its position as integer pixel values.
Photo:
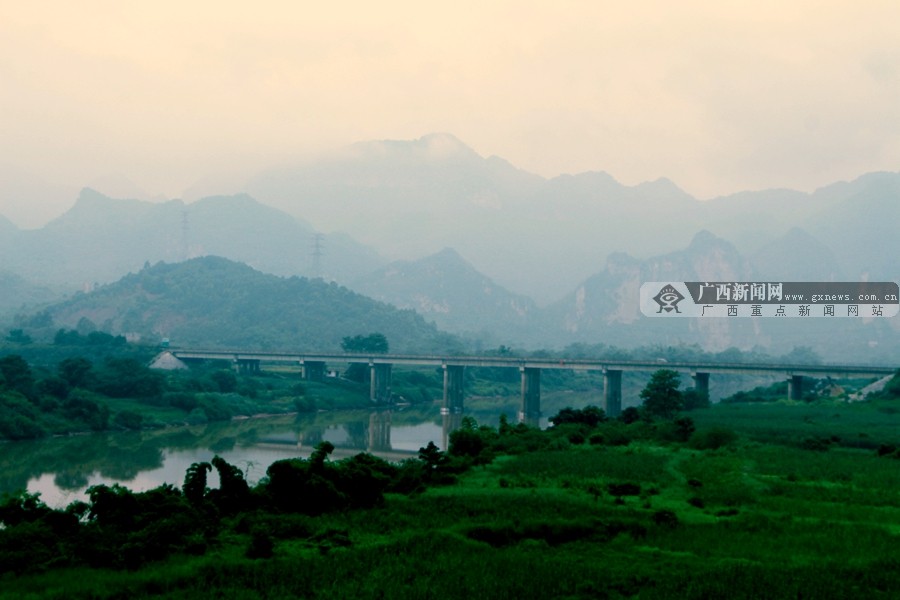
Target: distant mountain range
(541, 237)
(214, 302)
(547, 262)
(100, 239)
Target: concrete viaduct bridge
(314, 368)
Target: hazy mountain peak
(90, 199)
(443, 144)
(230, 201)
(877, 178)
(704, 239)
(797, 255)
(447, 288)
(600, 179)
(448, 253)
(621, 259)
(6, 225)
(89, 194)
(445, 261)
(116, 185)
(663, 186)
(434, 147)
(93, 207)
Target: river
(61, 469)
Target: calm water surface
(61, 469)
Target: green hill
(216, 303)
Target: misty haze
(409, 301)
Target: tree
(127, 378)
(18, 336)
(76, 371)
(892, 387)
(662, 398)
(233, 494)
(225, 380)
(194, 487)
(433, 457)
(630, 415)
(358, 344)
(589, 415)
(16, 373)
(374, 342)
(694, 399)
(86, 408)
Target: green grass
(756, 519)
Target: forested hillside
(214, 302)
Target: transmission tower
(317, 256)
(185, 247)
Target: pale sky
(719, 96)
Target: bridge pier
(380, 383)
(612, 391)
(795, 387)
(453, 389)
(379, 431)
(531, 397)
(313, 370)
(246, 366)
(450, 423)
(701, 382)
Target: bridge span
(314, 368)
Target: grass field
(764, 516)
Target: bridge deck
(841, 370)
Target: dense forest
(99, 382)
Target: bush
(590, 416)
(712, 439)
(261, 546)
(887, 450)
(630, 415)
(624, 489)
(215, 408)
(129, 420)
(694, 400)
(596, 439)
(665, 518)
(183, 400)
(816, 444)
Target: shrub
(261, 545)
(129, 420)
(624, 489)
(589, 415)
(712, 439)
(665, 518)
(816, 444)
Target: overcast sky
(719, 96)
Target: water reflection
(61, 469)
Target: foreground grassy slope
(612, 511)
